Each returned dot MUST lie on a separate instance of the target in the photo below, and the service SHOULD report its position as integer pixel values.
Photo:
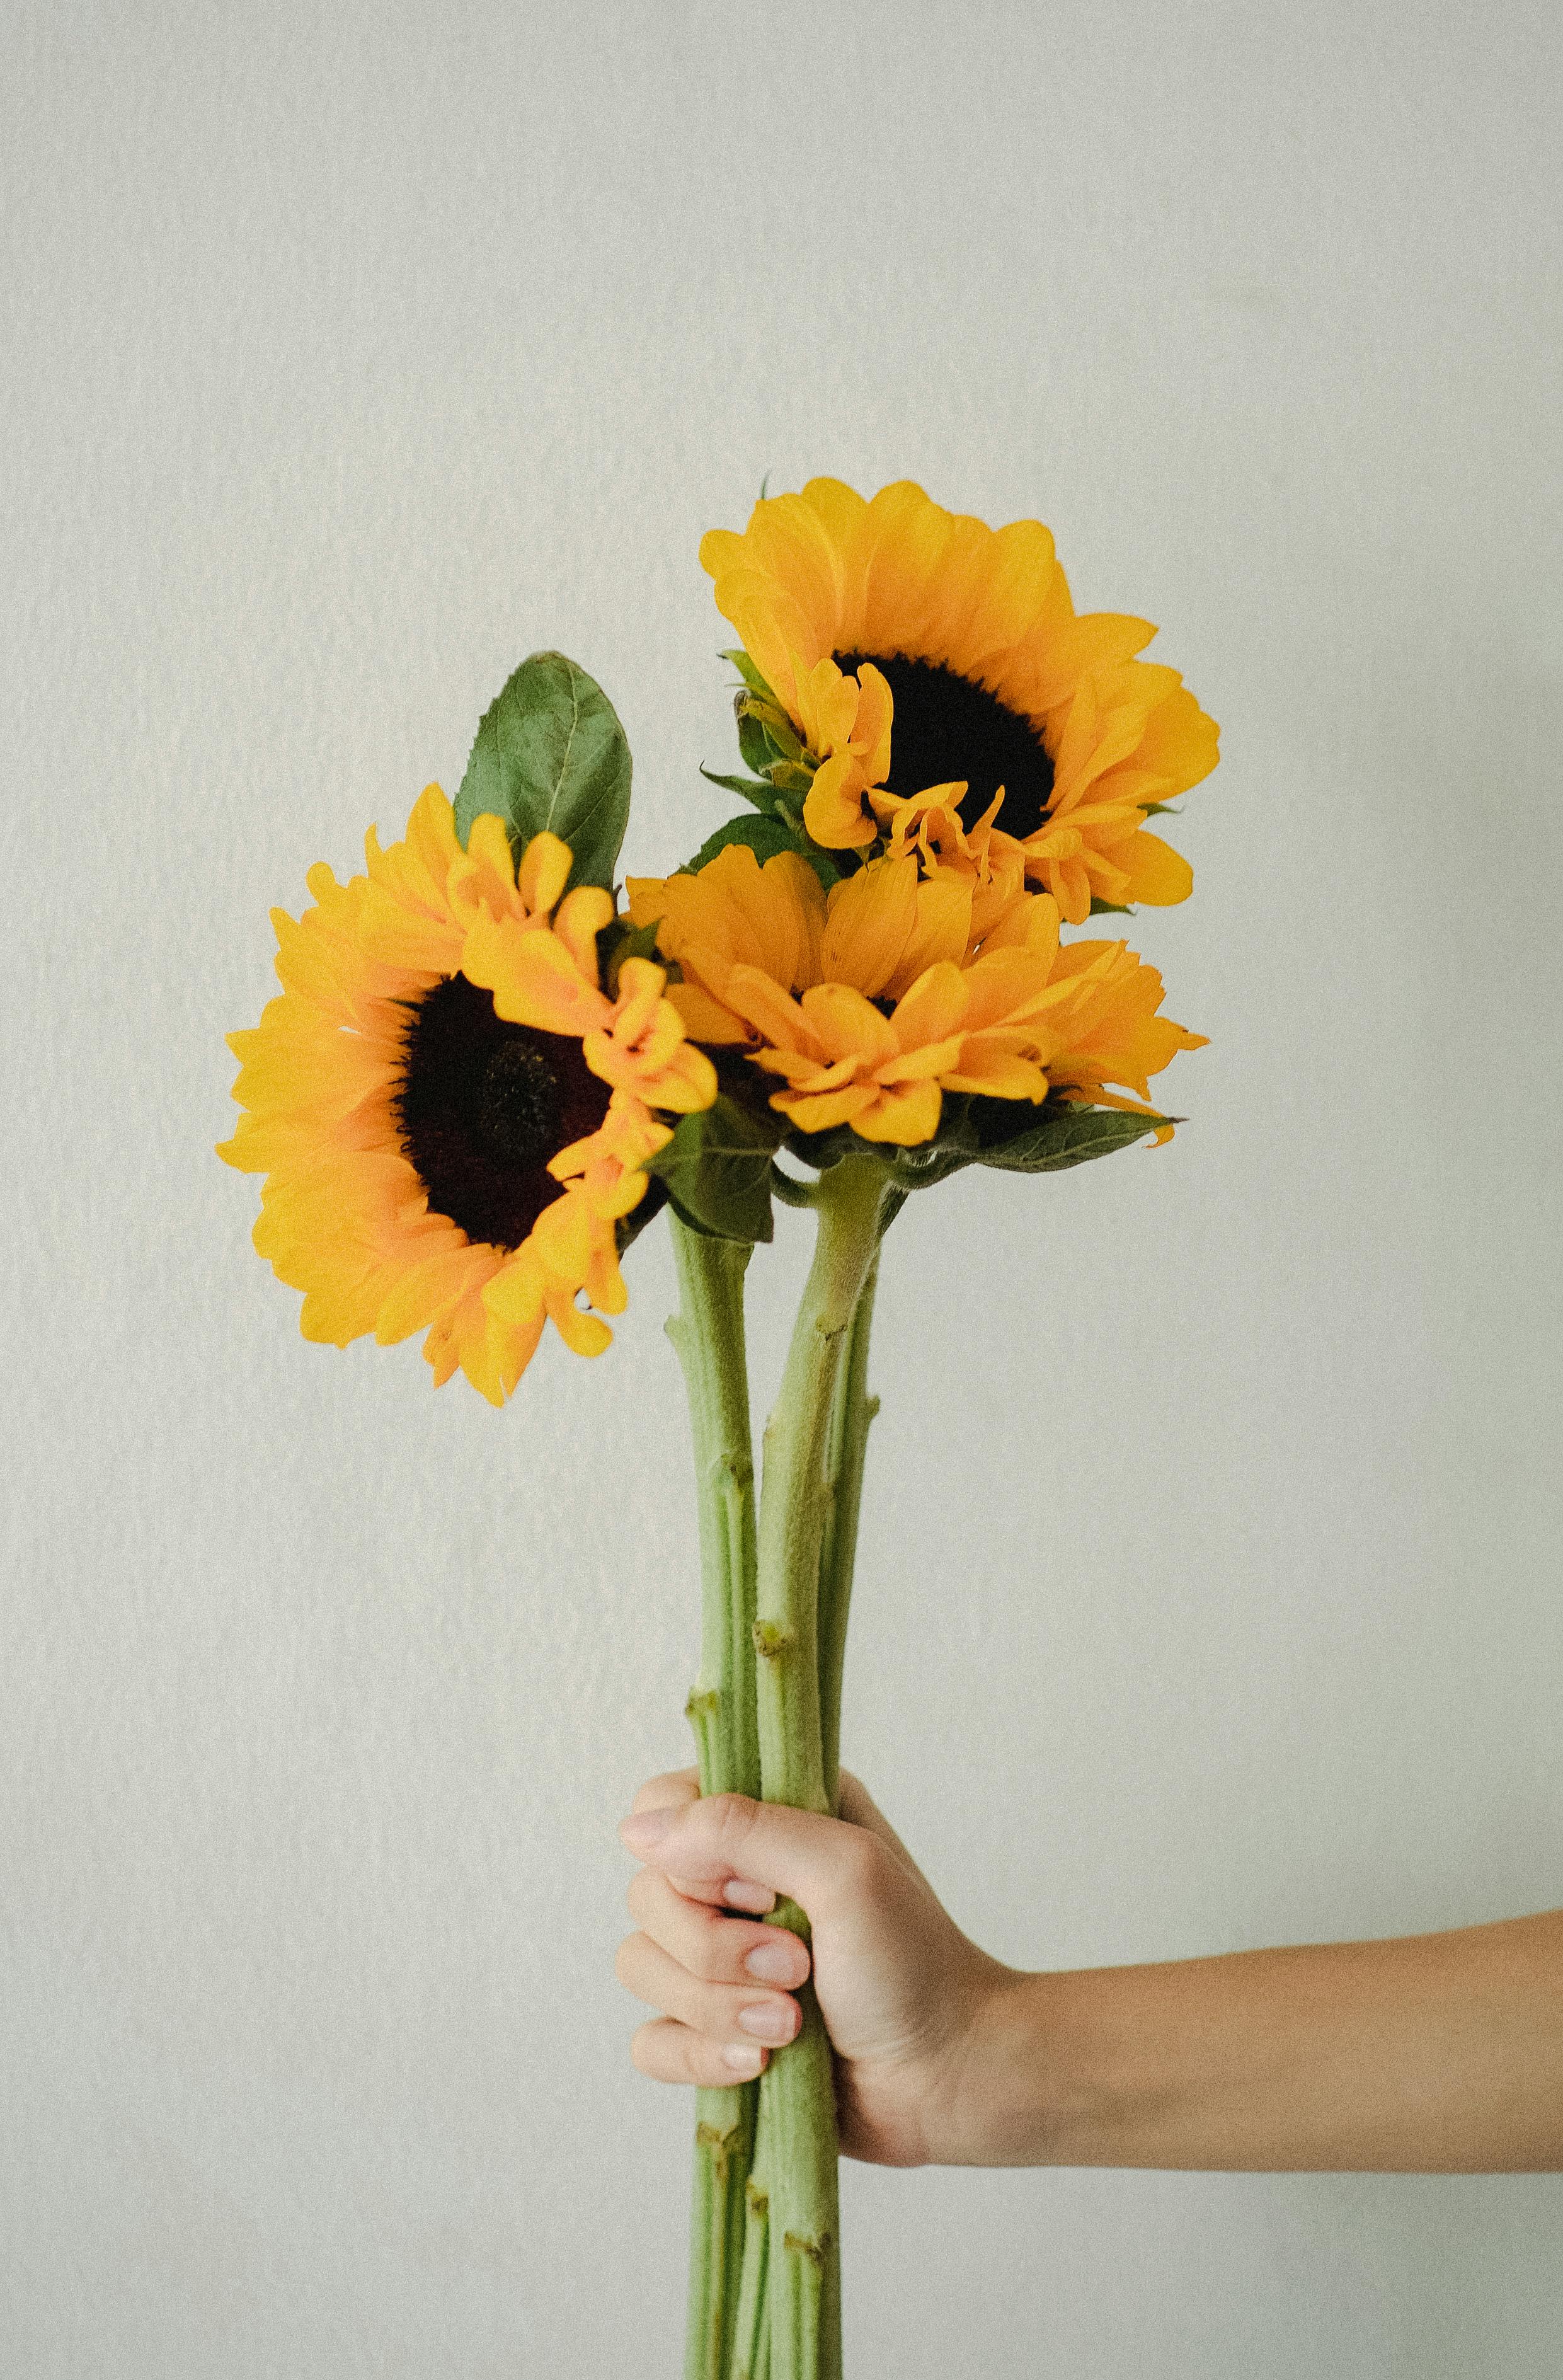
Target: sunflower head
(868, 1005)
(452, 1110)
(917, 652)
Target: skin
(1435, 2053)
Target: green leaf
(765, 837)
(1068, 1135)
(717, 1169)
(550, 753)
(1163, 810)
(754, 789)
(1100, 909)
(986, 1132)
(628, 1228)
(619, 941)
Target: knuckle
(859, 1855)
(713, 1953)
(712, 2012)
(731, 1820)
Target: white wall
(1209, 1589)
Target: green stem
(797, 2091)
(751, 2332)
(851, 1413)
(708, 1335)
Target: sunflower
(915, 649)
(452, 1113)
(872, 1000)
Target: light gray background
(1209, 1590)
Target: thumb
(817, 1861)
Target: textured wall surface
(1210, 1587)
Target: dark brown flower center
(484, 1105)
(946, 728)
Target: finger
(669, 2052)
(668, 1791)
(718, 1949)
(673, 1791)
(722, 2011)
(819, 1862)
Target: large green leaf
(550, 753)
(717, 1169)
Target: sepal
(748, 671)
(758, 790)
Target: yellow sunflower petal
(870, 917)
(845, 1025)
(534, 979)
(833, 811)
(823, 1110)
(544, 872)
(1155, 871)
(905, 1116)
(933, 1007)
(584, 1334)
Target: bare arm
(1438, 2053)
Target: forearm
(1439, 2053)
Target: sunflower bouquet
(488, 1069)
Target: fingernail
(758, 1900)
(739, 2058)
(769, 2019)
(647, 1827)
(773, 1963)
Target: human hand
(904, 1994)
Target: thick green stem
(851, 1413)
(708, 1335)
(751, 2329)
(798, 2089)
(708, 1331)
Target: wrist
(1023, 2094)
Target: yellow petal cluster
(872, 1000)
(345, 1215)
(827, 575)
